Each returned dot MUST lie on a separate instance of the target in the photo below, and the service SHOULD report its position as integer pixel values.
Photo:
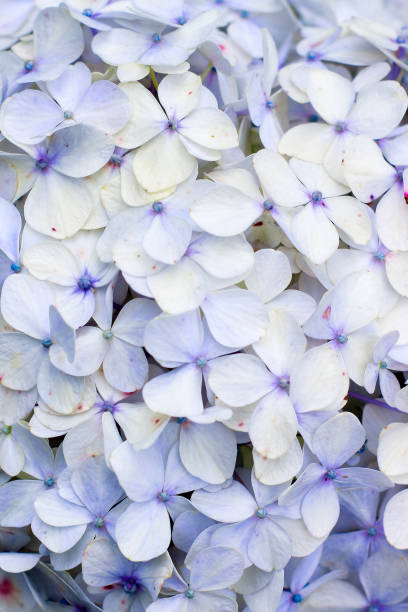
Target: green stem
(206, 71)
(154, 78)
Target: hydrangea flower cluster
(204, 305)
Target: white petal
(176, 393)
(330, 94)
(314, 234)
(45, 115)
(273, 425)
(351, 216)
(229, 505)
(278, 180)
(210, 128)
(309, 141)
(392, 219)
(180, 94)
(162, 162)
(395, 520)
(277, 471)
(179, 288)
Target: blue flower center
(15, 266)
(181, 420)
(85, 282)
(313, 118)
(172, 124)
(130, 586)
(379, 255)
(244, 14)
(6, 430)
(331, 475)
(181, 20)
(46, 342)
(261, 513)
(401, 40)
(383, 365)
(28, 65)
(340, 127)
(49, 482)
(268, 204)
(157, 207)
(87, 12)
(189, 593)
(270, 104)
(156, 38)
(99, 522)
(373, 609)
(372, 531)
(297, 598)
(311, 55)
(68, 114)
(341, 339)
(164, 496)
(201, 362)
(42, 163)
(115, 160)
(107, 334)
(317, 196)
(108, 407)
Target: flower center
(270, 104)
(181, 420)
(401, 40)
(172, 124)
(42, 163)
(311, 55)
(99, 522)
(181, 20)
(164, 496)
(244, 14)
(340, 127)
(201, 362)
(268, 204)
(46, 342)
(189, 593)
(331, 475)
(373, 609)
(261, 513)
(284, 382)
(383, 365)
(87, 12)
(15, 266)
(108, 407)
(297, 598)
(157, 207)
(85, 282)
(115, 160)
(68, 114)
(372, 531)
(156, 38)
(49, 482)
(6, 430)
(379, 255)
(107, 334)
(130, 586)
(28, 65)
(341, 339)
(313, 118)
(317, 196)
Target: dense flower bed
(204, 305)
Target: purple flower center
(42, 163)
(85, 282)
(130, 586)
(311, 55)
(172, 124)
